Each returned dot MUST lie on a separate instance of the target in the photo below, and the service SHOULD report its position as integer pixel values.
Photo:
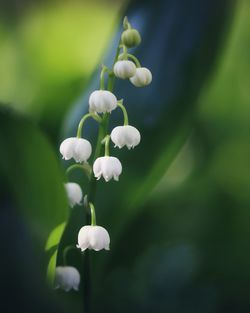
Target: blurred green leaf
(49, 53)
(55, 236)
(32, 174)
(51, 268)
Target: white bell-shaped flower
(93, 237)
(102, 101)
(126, 135)
(142, 77)
(67, 278)
(78, 148)
(124, 69)
(109, 167)
(74, 193)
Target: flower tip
(106, 178)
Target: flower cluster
(101, 104)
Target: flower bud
(74, 193)
(125, 136)
(108, 167)
(131, 38)
(142, 77)
(67, 278)
(102, 101)
(124, 69)
(93, 237)
(77, 148)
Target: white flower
(78, 148)
(67, 278)
(93, 237)
(142, 77)
(102, 101)
(74, 193)
(124, 69)
(125, 136)
(108, 167)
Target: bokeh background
(186, 249)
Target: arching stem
(124, 111)
(93, 216)
(85, 167)
(126, 56)
(65, 252)
(95, 116)
(106, 141)
(104, 70)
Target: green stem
(103, 130)
(102, 80)
(124, 111)
(95, 116)
(125, 52)
(111, 78)
(93, 216)
(132, 57)
(65, 252)
(84, 167)
(106, 141)
(104, 70)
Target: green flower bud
(131, 38)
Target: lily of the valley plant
(102, 103)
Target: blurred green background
(48, 52)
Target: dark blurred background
(187, 247)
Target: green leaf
(55, 236)
(32, 175)
(51, 269)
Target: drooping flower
(142, 77)
(74, 193)
(126, 135)
(77, 148)
(109, 167)
(102, 101)
(93, 237)
(124, 69)
(67, 278)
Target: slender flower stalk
(85, 167)
(124, 111)
(93, 216)
(84, 118)
(101, 104)
(107, 140)
(130, 56)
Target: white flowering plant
(102, 103)
(152, 250)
